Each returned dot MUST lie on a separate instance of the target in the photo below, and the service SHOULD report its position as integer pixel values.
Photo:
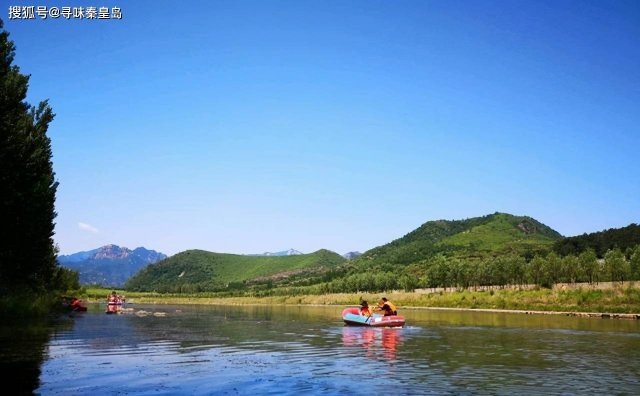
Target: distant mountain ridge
(109, 265)
(352, 255)
(475, 238)
(290, 252)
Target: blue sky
(250, 126)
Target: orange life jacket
(392, 309)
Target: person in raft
(387, 307)
(113, 297)
(364, 309)
(75, 304)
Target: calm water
(289, 350)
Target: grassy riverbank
(30, 304)
(620, 299)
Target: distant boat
(351, 316)
(74, 304)
(114, 303)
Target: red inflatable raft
(351, 316)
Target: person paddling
(364, 309)
(112, 298)
(387, 307)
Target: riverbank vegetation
(506, 270)
(610, 297)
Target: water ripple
(204, 352)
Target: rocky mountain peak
(528, 227)
(111, 252)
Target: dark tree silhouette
(27, 182)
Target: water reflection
(377, 342)
(443, 317)
(289, 350)
(23, 347)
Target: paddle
(368, 318)
(364, 304)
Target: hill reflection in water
(288, 350)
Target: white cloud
(88, 228)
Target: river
(202, 350)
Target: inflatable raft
(351, 316)
(114, 304)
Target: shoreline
(602, 315)
(610, 303)
(599, 315)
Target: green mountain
(381, 268)
(600, 242)
(490, 235)
(199, 270)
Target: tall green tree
(616, 265)
(516, 269)
(588, 262)
(28, 185)
(535, 270)
(552, 270)
(634, 263)
(571, 269)
(438, 272)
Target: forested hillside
(622, 238)
(491, 235)
(495, 250)
(198, 270)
